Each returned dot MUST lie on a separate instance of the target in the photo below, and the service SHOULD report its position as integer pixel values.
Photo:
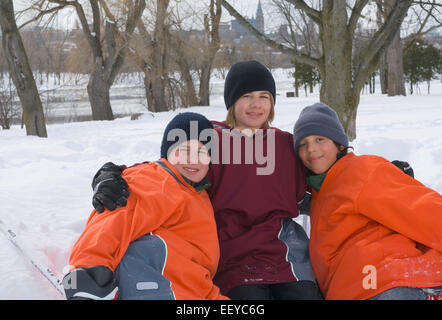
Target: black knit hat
(319, 119)
(190, 126)
(247, 76)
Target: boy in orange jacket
(264, 252)
(375, 231)
(164, 245)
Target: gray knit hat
(319, 119)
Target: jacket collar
(192, 186)
(198, 186)
(316, 180)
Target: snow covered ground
(45, 192)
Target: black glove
(110, 189)
(94, 283)
(404, 166)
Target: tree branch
(420, 2)
(41, 14)
(381, 40)
(94, 40)
(261, 37)
(355, 15)
(96, 19)
(108, 13)
(134, 15)
(315, 15)
(430, 13)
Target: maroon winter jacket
(259, 242)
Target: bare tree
(107, 36)
(171, 56)
(392, 61)
(184, 52)
(158, 73)
(393, 58)
(210, 48)
(194, 51)
(423, 17)
(20, 72)
(163, 48)
(343, 74)
(151, 49)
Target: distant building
(259, 19)
(237, 31)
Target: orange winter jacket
(164, 204)
(374, 228)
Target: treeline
(338, 44)
(54, 53)
(131, 36)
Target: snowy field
(45, 184)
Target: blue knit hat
(319, 119)
(191, 125)
(247, 76)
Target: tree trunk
(156, 81)
(191, 99)
(204, 91)
(336, 69)
(99, 96)
(21, 73)
(148, 88)
(107, 53)
(396, 85)
(212, 42)
(296, 78)
(395, 73)
(383, 72)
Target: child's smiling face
(191, 159)
(317, 153)
(252, 110)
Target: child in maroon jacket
(257, 184)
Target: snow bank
(45, 191)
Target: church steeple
(259, 18)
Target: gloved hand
(93, 283)
(404, 166)
(110, 189)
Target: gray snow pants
(407, 293)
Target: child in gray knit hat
(319, 119)
(375, 231)
(314, 121)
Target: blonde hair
(231, 119)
